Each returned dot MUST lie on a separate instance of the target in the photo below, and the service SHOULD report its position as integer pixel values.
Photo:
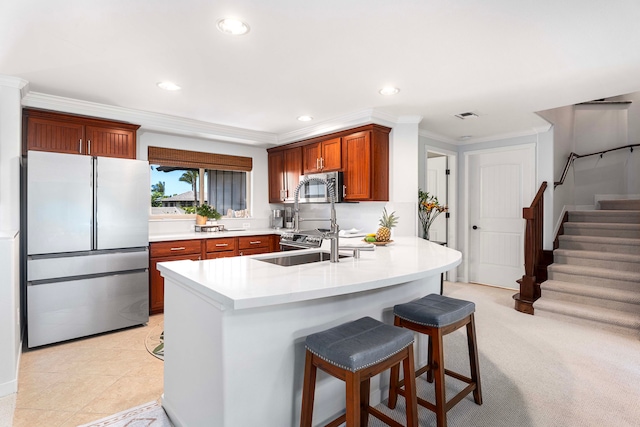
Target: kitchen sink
(298, 259)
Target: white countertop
(246, 282)
(233, 232)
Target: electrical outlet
(246, 225)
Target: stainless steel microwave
(317, 192)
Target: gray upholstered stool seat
(436, 316)
(358, 344)
(434, 310)
(355, 352)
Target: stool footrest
(338, 421)
(384, 417)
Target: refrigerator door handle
(94, 213)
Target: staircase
(595, 276)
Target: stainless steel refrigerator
(87, 245)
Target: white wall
(10, 148)
(589, 129)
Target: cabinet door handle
(221, 245)
(257, 242)
(317, 163)
(344, 191)
(80, 146)
(88, 146)
(321, 163)
(182, 248)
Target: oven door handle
(294, 246)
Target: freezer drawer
(47, 267)
(65, 310)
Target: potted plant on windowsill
(204, 212)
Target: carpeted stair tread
(597, 255)
(602, 229)
(610, 260)
(605, 216)
(602, 315)
(620, 204)
(599, 243)
(603, 276)
(592, 291)
(597, 272)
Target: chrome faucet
(334, 229)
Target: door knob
(475, 227)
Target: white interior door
(501, 183)
(437, 186)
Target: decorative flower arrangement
(428, 210)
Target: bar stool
(436, 316)
(354, 352)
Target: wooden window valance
(196, 159)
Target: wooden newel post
(529, 286)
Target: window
(182, 180)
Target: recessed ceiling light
(389, 90)
(168, 86)
(232, 26)
(305, 118)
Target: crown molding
(529, 132)
(149, 121)
(16, 83)
(437, 137)
(336, 124)
(409, 119)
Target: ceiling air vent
(466, 115)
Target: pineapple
(387, 222)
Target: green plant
(208, 211)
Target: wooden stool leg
(438, 373)
(353, 384)
(430, 359)
(308, 391)
(473, 359)
(365, 391)
(411, 400)
(394, 378)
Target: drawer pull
(181, 248)
(221, 244)
(257, 242)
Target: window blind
(196, 159)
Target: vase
(425, 234)
(201, 220)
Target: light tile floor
(73, 383)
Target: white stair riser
(596, 281)
(603, 247)
(592, 301)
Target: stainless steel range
(304, 239)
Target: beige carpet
(148, 415)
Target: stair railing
(529, 286)
(573, 156)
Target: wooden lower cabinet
(253, 245)
(198, 249)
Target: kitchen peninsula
(235, 328)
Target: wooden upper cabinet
(362, 154)
(366, 165)
(322, 156)
(292, 171)
(276, 176)
(111, 142)
(285, 168)
(66, 133)
(51, 135)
